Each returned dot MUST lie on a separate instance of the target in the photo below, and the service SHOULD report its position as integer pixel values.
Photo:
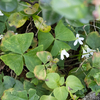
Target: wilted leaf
(40, 72)
(31, 9)
(17, 20)
(44, 56)
(40, 24)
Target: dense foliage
(54, 44)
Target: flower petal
(62, 57)
(81, 38)
(63, 52)
(75, 43)
(1, 14)
(67, 54)
(80, 42)
(77, 35)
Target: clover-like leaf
(40, 72)
(44, 56)
(14, 61)
(52, 80)
(63, 33)
(93, 40)
(73, 84)
(31, 59)
(60, 93)
(45, 39)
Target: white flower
(1, 36)
(78, 39)
(84, 54)
(63, 52)
(90, 51)
(87, 52)
(1, 14)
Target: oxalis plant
(55, 43)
